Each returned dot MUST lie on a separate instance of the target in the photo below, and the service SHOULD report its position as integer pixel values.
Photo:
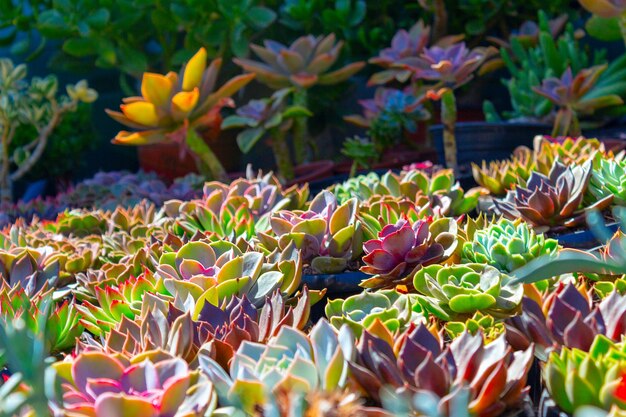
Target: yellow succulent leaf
(194, 70)
(184, 102)
(156, 88)
(173, 77)
(147, 137)
(141, 112)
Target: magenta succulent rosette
(402, 247)
(155, 384)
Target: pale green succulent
(457, 291)
(507, 245)
(291, 362)
(395, 310)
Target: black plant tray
(582, 239)
(342, 283)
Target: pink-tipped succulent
(402, 247)
(553, 200)
(154, 384)
(568, 317)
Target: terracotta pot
(312, 171)
(164, 158)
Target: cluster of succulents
(327, 234)
(434, 190)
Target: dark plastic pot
(341, 285)
(548, 408)
(478, 141)
(582, 239)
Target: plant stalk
(448, 119)
(206, 160)
(300, 128)
(281, 154)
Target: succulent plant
(34, 105)
(501, 176)
(219, 270)
(507, 245)
(453, 291)
(268, 118)
(79, 223)
(403, 247)
(405, 44)
(290, 361)
(418, 362)
(567, 317)
(553, 200)
(175, 107)
(33, 269)
(62, 326)
(390, 115)
(441, 191)
(152, 384)
(490, 328)
(328, 234)
(435, 190)
(303, 64)
(575, 95)
(608, 180)
(450, 67)
(115, 302)
(361, 150)
(396, 311)
(576, 378)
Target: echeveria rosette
(576, 378)
(402, 247)
(451, 65)
(173, 102)
(507, 245)
(395, 310)
(608, 179)
(404, 44)
(34, 269)
(220, 270)
(501, 176)
(575, 96)
(290, 362)
(327, 234)
(113, 303)
(304, 63)
(553, 200)
(62, 323)
(417, 362)
(456, 291)
(154, 384)
(568, 316)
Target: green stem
(206, 160)
(448, 119)
(575, 130)
(281, 154)
(300, 128)
(353, 169)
